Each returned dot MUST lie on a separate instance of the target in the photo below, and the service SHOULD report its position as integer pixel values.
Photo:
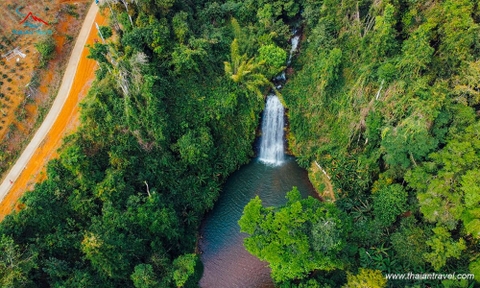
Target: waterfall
(271, 144)
(294, 42)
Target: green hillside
(385, 96)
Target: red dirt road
(66, 122)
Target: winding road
(26, 166)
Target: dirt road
(64, 111)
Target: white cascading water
(294, 42)
(271, 144)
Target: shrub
(274, 58)
(388, 203)
(71, 9)
(46, 48)
(106, 31)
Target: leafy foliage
(106, 31)
(409, 243)
(274, 58)
(385, 96)
(443, 247)
(366, 278)
(388, 203)
(46, 48)
(300, 237)
(184, 268)
(160, 131)
(14, 265)
(245, 71)
(144, 277)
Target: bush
(71, 10)
(387, 72)
(106, 32)
(388, 203)
(275, 59)
(46, 48)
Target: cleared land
(27, 90)
(59, 121)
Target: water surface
(226, 262)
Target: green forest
(385, 95)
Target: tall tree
(245, 71)
(15, 264)
(295, 239)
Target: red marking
(407, 214)
(35, 18)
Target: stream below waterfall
(270, 176)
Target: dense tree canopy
(384, 98)
(303, 236)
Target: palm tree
(245, 71)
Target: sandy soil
(29, 170)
